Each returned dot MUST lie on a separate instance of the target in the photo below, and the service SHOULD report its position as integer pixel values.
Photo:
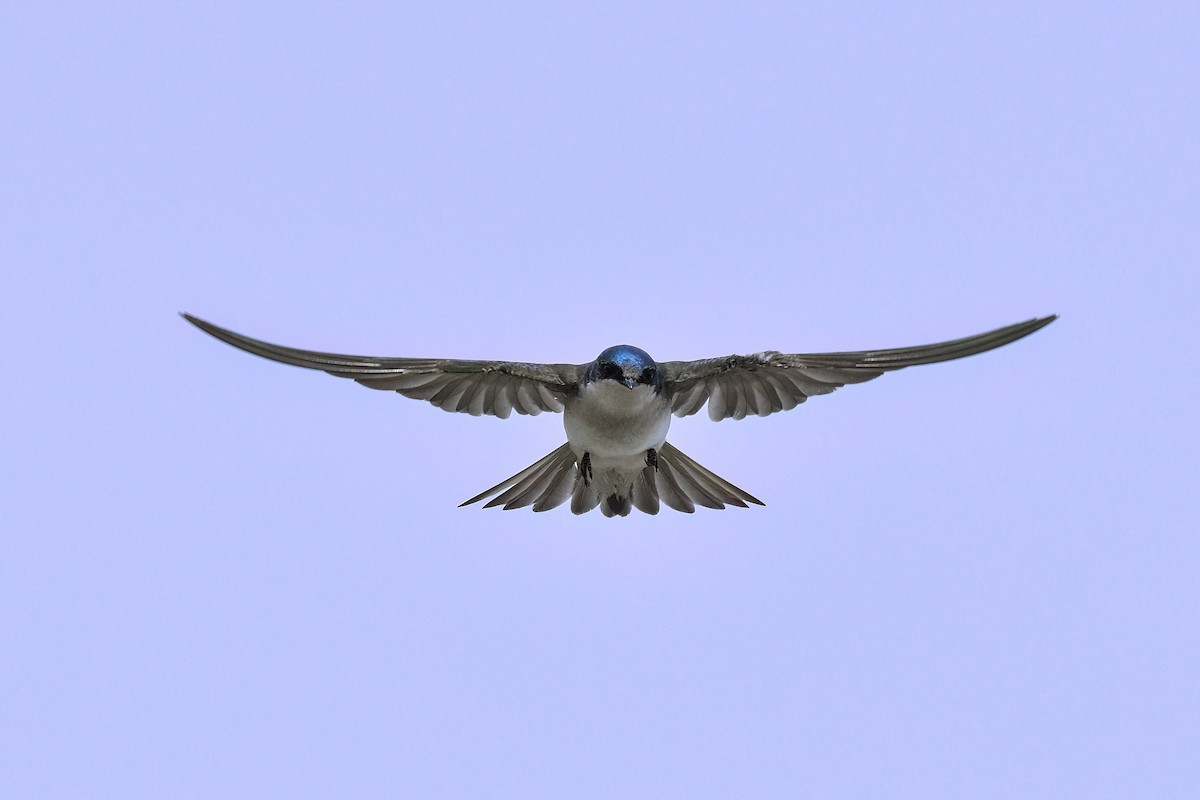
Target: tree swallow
(618, 408)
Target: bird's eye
(609, 370)
(648, 375)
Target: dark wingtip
(229, 337)
(199, 323)
(1036, 324)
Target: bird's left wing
(496, 388)
(764, 383)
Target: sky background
(223, 577)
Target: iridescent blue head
(627, 365)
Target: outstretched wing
(496, 388)
(764, 383)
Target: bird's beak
(630, 382)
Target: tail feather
(616, 505)
(559, 487)
(584, 498)
(670, 491)
(544, 484)
(679, 482)
(644, 491)
(696, 482)
(526, 491)
(522, 487)
(694, 490)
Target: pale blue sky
(222, 577)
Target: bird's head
(627, 365)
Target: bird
(617, 409)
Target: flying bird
(617, 409)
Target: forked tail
(676, 480)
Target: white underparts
(616, 424)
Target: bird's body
(617, 409)
(615, 424)
(615, 427)
(611, 421)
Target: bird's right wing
(767, 382)
(496, 388)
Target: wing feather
(503, 402)
(495, 388)
(530, 400)
(766, 382)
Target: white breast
(610, 420)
